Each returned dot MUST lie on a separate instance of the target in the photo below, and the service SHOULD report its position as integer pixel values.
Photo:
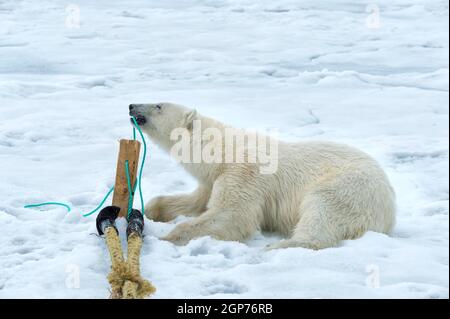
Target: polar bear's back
(317, 158)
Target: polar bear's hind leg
(314, 229)
(342, 208)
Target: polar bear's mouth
(140, 120)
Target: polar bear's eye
(158, 106)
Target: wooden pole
(125, 278)
(129, 150)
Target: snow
(319, 70)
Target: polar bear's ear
(189, 118)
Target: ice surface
(321, 70)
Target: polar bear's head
(158, 120)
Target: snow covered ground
(313, 69)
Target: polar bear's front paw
(157, 210)
(274, 246)
(176, 239)
(181, 234)
(292, 243)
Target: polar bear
(320, 194)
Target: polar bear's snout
(136, 110)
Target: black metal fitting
(135, 223)
(106, 218)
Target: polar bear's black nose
(131, 107)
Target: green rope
(101, 204)
(130, 190)
(48, 203)
(139, 179)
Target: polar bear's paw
(292, 243)
(158, 210)
(181, 234)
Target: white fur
(322, 192)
